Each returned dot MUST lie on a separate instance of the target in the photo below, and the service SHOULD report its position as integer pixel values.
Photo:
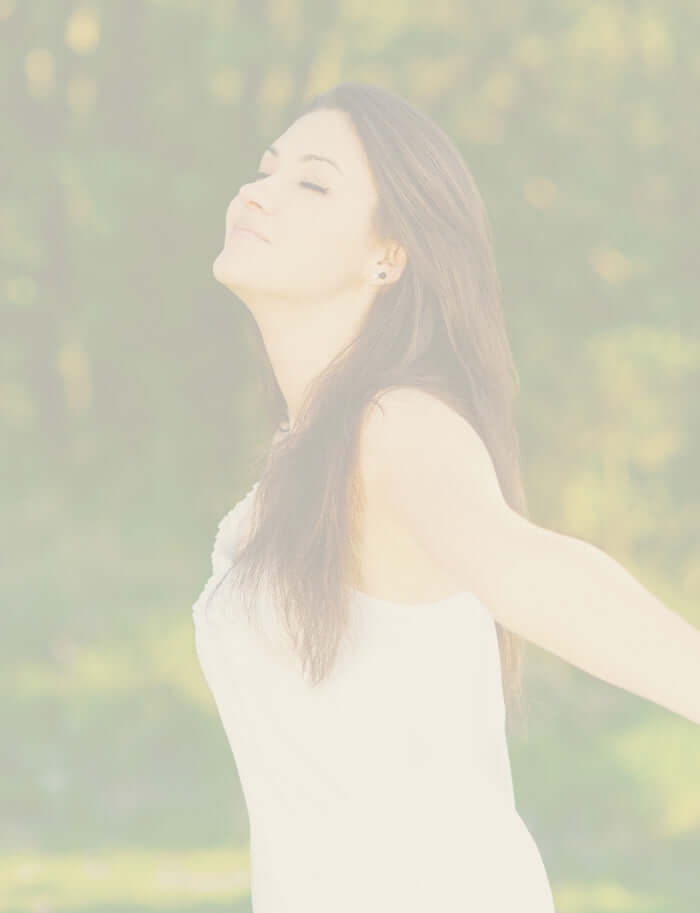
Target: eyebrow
(309, 157)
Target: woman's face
(315, 216)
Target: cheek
(318, 241)
(342, 236)
(317, 266)
(334, 254)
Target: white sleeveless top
(386, 787)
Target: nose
(254, 193)
(247, 202)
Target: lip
(249, 232)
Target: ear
(390, 259)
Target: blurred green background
(132, 405)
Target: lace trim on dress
(225, 540)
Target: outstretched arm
(576, 601)
(432, 472)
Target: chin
(222, 270)
(229, 276)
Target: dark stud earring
(382, 275)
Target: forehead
(328, 133)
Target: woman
(382, 570)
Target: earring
(382, 275)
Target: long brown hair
(439, 328)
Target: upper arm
(432, 472)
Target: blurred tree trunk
(43, 129)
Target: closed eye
(316, 187)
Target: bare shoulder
(432, 474)
(414, 428)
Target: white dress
(386, 787)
